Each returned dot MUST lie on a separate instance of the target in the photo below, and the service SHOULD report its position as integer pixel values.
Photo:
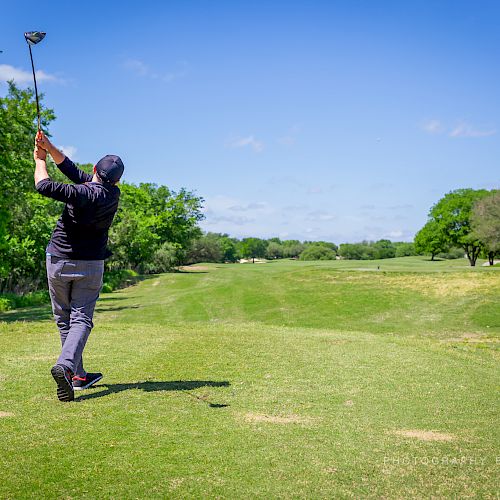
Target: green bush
(318, 252)
(452, 253)
(10, 301)
(120, 278)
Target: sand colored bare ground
(472, 338)
(6, 414)
(194, 268)
(424, 435)
(277, 419)
(441, 285)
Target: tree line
(157, 229)
(152, 228)
(465, 218)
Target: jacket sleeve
(76, 195)
(72, 172)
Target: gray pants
(74, 287)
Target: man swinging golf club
(76, 253)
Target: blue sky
(313, 120)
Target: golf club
(32, 38)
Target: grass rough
(287, 379)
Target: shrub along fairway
(284, 379)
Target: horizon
(324, 121)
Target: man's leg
(60, 288)
(60, 296)
(84, 294)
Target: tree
(274, 250)
(431, 239)
(292, 248)
(358, 251)
(25, 220)
(206, 248)
(148, 217)
(229, 248)
(452, 213)
(485, 223)
(384, 249)
(318, 252)
(404, 249)
(253, 248)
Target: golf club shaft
(36, 90)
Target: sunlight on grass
(286, 379)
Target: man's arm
(65, 165)
(67, 193)
(40, 157)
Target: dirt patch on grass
(278, 419)
(156, 283)
(424, 435)
(472, 338)
(6, 414)
(440, 285)
(194, 268)
(176, 482)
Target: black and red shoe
(80, 383)
(63, 376)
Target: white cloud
(140, 68)
(465, 130)
(321, 216)
(461, 129)
(235, 216)
(396, 234)
(137, 67)
(69, 151)
(251, 141)
(433, 127)
(259, 205)
(20, 76)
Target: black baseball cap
(110, 168)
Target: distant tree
(485, 223)
(274, 250)
(206, 248)
(404, 249)
(431, 240)
(318, 252)
(329, 244)
(253, 248)
(229, 248)
(452, 214)
(292, 248)
(274, 240)
(358, 251)
(384, 249)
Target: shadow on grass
(174, 385)
(32, 313)
(42, 313)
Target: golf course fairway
(335, 379)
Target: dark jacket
(82, 230)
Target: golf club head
(33, 37)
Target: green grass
(285, 379)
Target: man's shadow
(174, 385)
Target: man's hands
(39, 153)
(43, 142)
